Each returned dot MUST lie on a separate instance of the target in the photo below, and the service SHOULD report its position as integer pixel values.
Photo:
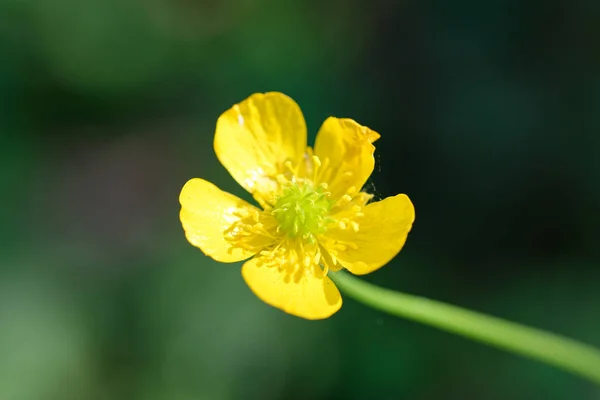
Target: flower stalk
(549, 348)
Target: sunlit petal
(208, 214)
(381, 234)
(255, 138)
(306, 293)
(345, 150)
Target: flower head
(313, 217)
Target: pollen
(302, 210)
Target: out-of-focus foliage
(489, 114)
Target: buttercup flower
(313, 219)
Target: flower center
(302, 210)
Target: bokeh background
(490, 121)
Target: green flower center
(302, 210)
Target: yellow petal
(345, 150)
(207, 213)
(309, 294)
(382, 233)
(256, 137)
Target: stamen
(250, 230)
(290, 167)
(316, 161)
(317, 257)
(292, 257)
(316, 165)
(333, 259)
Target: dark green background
(490, 119)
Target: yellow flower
(314, 218)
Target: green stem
(568, 354)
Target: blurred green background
(490, 121)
